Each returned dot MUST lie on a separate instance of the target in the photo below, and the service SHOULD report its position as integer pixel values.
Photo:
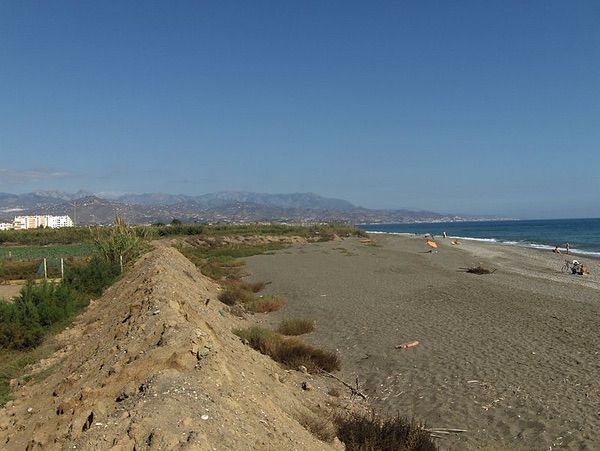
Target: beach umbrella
(432, 244)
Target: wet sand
(513, 356)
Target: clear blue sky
(463, 106)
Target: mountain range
(230, 206)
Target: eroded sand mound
(153, 365)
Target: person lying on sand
(556, 250)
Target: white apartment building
(33, 222)
(6, 226)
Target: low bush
(25, 320)
(254, 287)
(296, 326)
(11, 269)
(263, 340)
(119, 242)
(266, 304)
(361, 433)
(91, 278)
(292, 352)
(40, 308)
(236, 295)
(318, 425)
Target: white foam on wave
(388, 233)
(588, 253)
(526, 244)
(469, 238)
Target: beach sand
(513, 356)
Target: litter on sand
(408, 344)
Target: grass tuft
(266, 304)
(236, 295)
(296, 326)
(292, 352)
(361, 433)
(254, 287)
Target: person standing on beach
(567, 247)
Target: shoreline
(494, 241)
(511, 356)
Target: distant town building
(6, 226)
(33, 222)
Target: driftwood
(354, 390)
(443, 432)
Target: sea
(583, 235)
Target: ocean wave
(529, 245)
(587, 253)
(470, 238)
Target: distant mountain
(86, 208)
(221, 199)
(62, 195)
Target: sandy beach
(513, 356)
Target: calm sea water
(582, 234)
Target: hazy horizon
(472, 108)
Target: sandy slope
(514, 357)
(151, 366)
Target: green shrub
(25, 320)
(93, 277)
(119, 241)
(40, 308)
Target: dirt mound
(153, 365)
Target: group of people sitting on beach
(576, 267)
(579, 268)
(567, 248)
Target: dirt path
(9, 291)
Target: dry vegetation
(366, 433)
(235, 295)
(292, 351)
(479, 269)
(296, 326)
(318, 425)
(266, 304)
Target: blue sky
(466, 106)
